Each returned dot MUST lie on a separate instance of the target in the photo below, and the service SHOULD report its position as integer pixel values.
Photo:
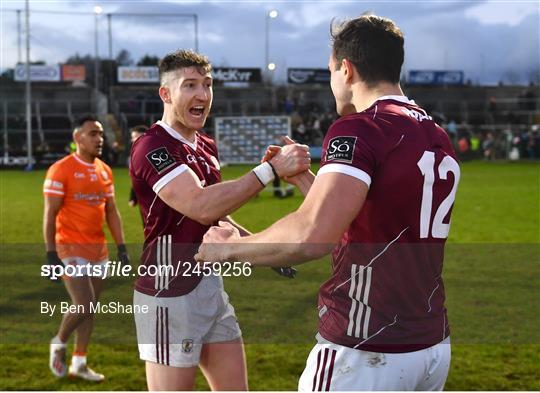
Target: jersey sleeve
(349, 148)
(156, 162)
(55, 183)
(109, 184)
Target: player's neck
(83, 156)
(365, 97)
(188, 134)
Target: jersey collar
(403, 99)
(176, 135)
(84, 162)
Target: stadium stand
(499, 117)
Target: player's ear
(348, 69)
(165, 94)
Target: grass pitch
(491, 276)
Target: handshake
(289, 162)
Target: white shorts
(83, 267)
(175, 328)
(336, 367)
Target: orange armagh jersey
(84, 188)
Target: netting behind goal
(244, 139)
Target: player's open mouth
(197, 110)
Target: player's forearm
(304, 181)
(49, 230)
(114, 222)
(277, 247)
(219, 200)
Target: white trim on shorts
(99, 268)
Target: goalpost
(244, 139)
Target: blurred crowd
(490, 145)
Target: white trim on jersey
(359, 294)
(83, 162)
(176, 135)
(403, 99)
(346, 170)
(168, 177)
(48, 190)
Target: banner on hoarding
(236, 76)
(38, 73)
(417, 77)
(303, 76)
(147, 74)
(73, 72)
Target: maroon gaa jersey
(386, 293)
(171, 239)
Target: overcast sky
(486, 39)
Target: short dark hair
(141, 128)
(373, 44)
(183, 59)
(79, 121)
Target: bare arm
(114, 222)
(303, 181)
(243, 231)
(206, 205)
(52, 207)
(332, 203)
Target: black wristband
(121, 248)
(273, 169)
(51, 255)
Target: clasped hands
(290, 162)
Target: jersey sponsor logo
(160, 159)
(416, 115)
(53, 184)
(79, 175)
(341, 149)
(191, 159)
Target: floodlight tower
(97, 11)
(271, 66)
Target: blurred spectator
(475, 146)
(451, 128)
(463, 147)
(514, 147)
(532, 144)
(488, 146)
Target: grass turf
(491, 277)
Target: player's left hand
(212, 248)
(222, 233)
(288, 271)
(123, 255)
(270, 152)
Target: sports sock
(57, 342)
(78, 360)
